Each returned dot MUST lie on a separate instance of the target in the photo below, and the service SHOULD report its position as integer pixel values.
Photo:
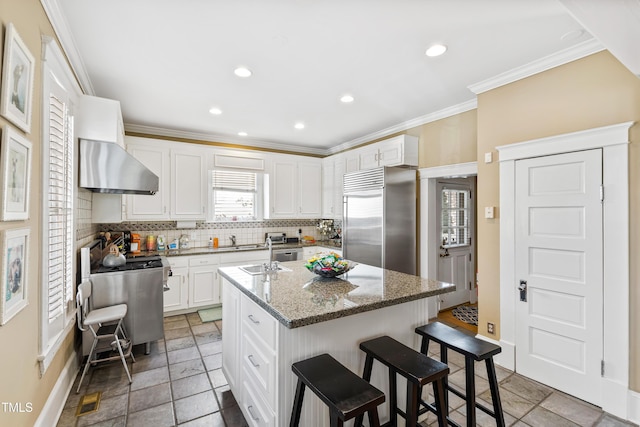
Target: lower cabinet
(253, 334)
(193, 283)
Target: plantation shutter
(60, 208)
(455, 217)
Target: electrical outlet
(491, 328)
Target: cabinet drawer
(259, 321)
(260, 363)
(178, 261)
(255, 409)
(196, 261)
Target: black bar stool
(473, 349)
(417, 368)
(345, 393)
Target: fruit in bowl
(328, 265)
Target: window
(235, 196)
(58, 309)
(455, 217)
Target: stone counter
(299, 298)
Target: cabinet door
(177, 297)
(339, 171)
(369, 158)
(352, 163)
(203, 286)
(188, 185)
(390, 153)
(309, 184)
(231, 347)
(145, 207)
(282, 189)
(328, 189)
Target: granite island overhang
(298, 297)
(274, 320)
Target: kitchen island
(273, 320)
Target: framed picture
(15, 174)
(15, 247)
(17, 80)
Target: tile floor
(181, 384)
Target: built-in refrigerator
(379, 223)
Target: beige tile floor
(181, 384)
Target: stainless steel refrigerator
(379, 225)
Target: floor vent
(89, 403)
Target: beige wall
(592, 92)
(19, 369)
(449, 141)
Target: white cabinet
(194, 283)
(100, 119)
(182, 192)
(249, 358)
(155, 207)
(177, 296)
(231, 347)
(396, 151)
(332, 180)
(294, 188)
(188, 184)
(203, 280)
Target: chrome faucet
(233, 240)
(270, 265)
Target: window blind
(234, 194)
(60, 208)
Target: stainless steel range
(139, 283)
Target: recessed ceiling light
(299, 125)
(346, 99)
(436, 50)
(216, 111)
(242, 72)
(242, 133)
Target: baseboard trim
(634, 407)
(58, 397)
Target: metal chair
(105, 324)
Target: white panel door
(559, 268)
(456, 228)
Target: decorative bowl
(328, 265)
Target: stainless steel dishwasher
(291, 254)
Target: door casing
(614, 141)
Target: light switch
(488, 157)
(488, 212)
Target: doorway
(455, 210)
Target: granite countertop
(299, 297)
(229, 249)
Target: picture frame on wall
(15, 174)
(18, 69)
(15, 252)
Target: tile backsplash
(246, 232)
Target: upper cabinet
(188, 184)
(401, 150)
(333, 170)
(100, 119)
(183, 177)
(294, 187)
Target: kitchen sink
(238, 248)
(256, 269)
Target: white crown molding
(565, 56)
(224, 139)
(61, 28)
(409, 124)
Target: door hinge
(601, 193)
(602, 368)
(469, 257)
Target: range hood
(105, 167)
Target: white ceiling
(169, 62)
